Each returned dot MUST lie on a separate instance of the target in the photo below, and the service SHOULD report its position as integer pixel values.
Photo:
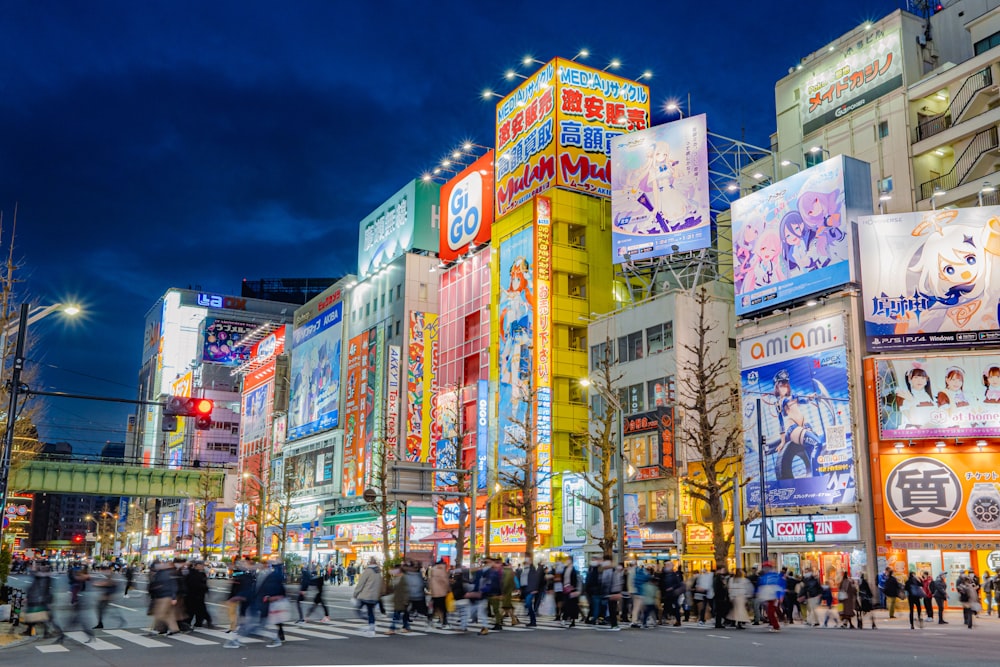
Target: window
(660, 391)
(885, 185)
(397, 327)
(883, 129)
(630, 347)
(813, 159)
(390, 293)
(382, 304)
(632, 398)
(638, 450)
(660, 337)
(984, 45)
(368, 308)
(598, 353)
(399, 291)
(597, 405)
(422, 291)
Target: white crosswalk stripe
(96, 644)
(299, 630)
(147, 642)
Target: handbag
(449, 603)
(279, 611)
(40, 616)
(842, 595)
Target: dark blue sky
(168, 144)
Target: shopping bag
(279, 611)
(548, 606)
(449, 603)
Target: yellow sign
(543, 362)
(180, 387)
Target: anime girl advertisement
(930, 278)
(314, 400)
(797, 380)
(659, 190)
(516, 315)
(794, 238)
(938, 397)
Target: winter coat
(400, 593)
(163, 584)
(437, 581)
(507, 587)
(369, 585)
(848, 586)
(891, 587)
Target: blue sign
(482, 432)
(314, 400)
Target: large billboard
(557, 127)
(954, 396)
(420, 380)
(795, 238)
(314, 401)
(222, 341)
(941, 494)
(516, 322)
(253, 420)
(314, 468)
(931, 279)
(858, 75)
(354, 414)
(406, 221)
(543, 361)
(794, 383)
(467, 209)
(659, 191)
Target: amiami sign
(792, 342)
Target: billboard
(931, 279)
(659, 191)
(448, 444)
(794, 238)
(314, 468)
(392, 398)
(182, 386)
(482, 433)
(556, 128)
(354, 414)
(406, 221)
(953, 396)
(661, 422)
(543, 362)
(794, 383)
(253, 421)
(516, 324)
(314, 399)
(860, 74)
(574, 509)
(419, 384)
(947, 494)
(467, 209)
(222, 341)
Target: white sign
(828, 528)
(792, 342)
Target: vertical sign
(392, 401)
(378, 436)
(371, 383)
(482, 432)
(430, 428)
(354, 402)
(181, 387)
(543, 361)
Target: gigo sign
(467, 208)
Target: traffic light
(203, 417)
(186, 406)
(78, 538)
(169, 423)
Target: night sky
(176, 144)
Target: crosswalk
(111, 640)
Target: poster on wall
(795, 238)
(354, 414)
(659, 191)
(951, 396)
(941, 493)
(419, 376)
(543, 362)
(253, 421)
(314, 401)
(796, 379)
(931, 279)
(222, 341)
(448, 443)
(516, 317)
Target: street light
(819, 149)
(619, 464)
(789, 163)
(674, 106)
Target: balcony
(960, 103)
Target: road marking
(222, 635)
(312, 633)
(52, 648)
(96, 644)
(137, 639)
(112, 604)
(719, 636)
(197, 641)
(339, 625)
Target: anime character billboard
(659, 190)
(795, 238)
(796, 405)
(516, 315)
(314, 400)
(931, 279)
(938, 397)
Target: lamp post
(619, 464)
(489, 514)
(25, 318)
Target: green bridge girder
(95, 479)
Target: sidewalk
(11, 636)
(953, 622)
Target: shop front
(698, 551)
(357, 536)
(652, 543)
(828, 544)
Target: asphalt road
(340, 643)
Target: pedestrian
(989, 583)
(812, 592)
(739, 590)
(304, 583)
(439, 587)
(752, 578)
(866, 599)
(892, 588)
(129, 579)
(703, 590)
(672, 588)
(240, 589)
(418, 592)
(182, 614)
(939, 589)
(571, 593)
(508, 584)
(928, 598)
(769, 590)
(611, 592)
(197, 591)
(78, 577)
(400, 601)
(720, 596)
(163, 596)
(38, 602)
(458, 582)
(316, 581)
(880, 582)
(532, 588)
(592, 586)
(106, 587)
(352, 572)
(791, 598)
(268, 587)
(968, 595)
(847, 595)
(368, 591)
(915, 597)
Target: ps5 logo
(465, 211)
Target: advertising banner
(660, 421)
(482, 433)
(392, 400)
(448, 444)
(941, 494)
(263, 355)
(181, 387)
(797, 378)
(364, 446)
(557, 127)
(931, 279)
(467, 209)
(313, 469)
(659, 191)
(222, 341)
(354, 404)
(377, 436)
(510, 531)
(859, 74)
(794, 238)
(826, 528)
(543, 362)
(574, 509)
(422, 341)
(516, 318)
(253, 421)
(406, 221)
(314, 401)
(953, 396)
(430, 426)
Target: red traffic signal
(203, 406)
(78, 538)
(186, 406)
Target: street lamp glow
(71, 310)
(585, 382)
(467, 146)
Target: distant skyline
(196, 144)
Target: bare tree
(708, 396)
(202, 530)
(254, 494)
(281, 512)
(381, 459)
(601, 446)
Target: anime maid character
(515, 330)
(916, 403)
(953, 269)
(767, 269)
(743, 255)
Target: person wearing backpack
(939, 589)
(989, 584)
(915, 598)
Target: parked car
(216, 570)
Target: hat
(767, 563)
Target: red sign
(467, 209)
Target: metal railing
(983, 142)
(129, 461)
(959, 103)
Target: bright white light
(467, 146)
(785, 163)
(815, 149)
(72, 310)
(758, 175)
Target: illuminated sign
(206, 300)
(467, 208)
(543, 361)
(930, 278)
(406, 221)
(826, 528)
(223, 341)
(482, 432)
(867, 69)
(507, 532)
(392, 399)
(314, 398)
(792, 341)
(422, 344)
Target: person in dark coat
(891, 589)
(720, 599)
(197, 590)
(531, 588)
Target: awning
(438, 536)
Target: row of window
(634, 346)
(639, 397)
(379, 302)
